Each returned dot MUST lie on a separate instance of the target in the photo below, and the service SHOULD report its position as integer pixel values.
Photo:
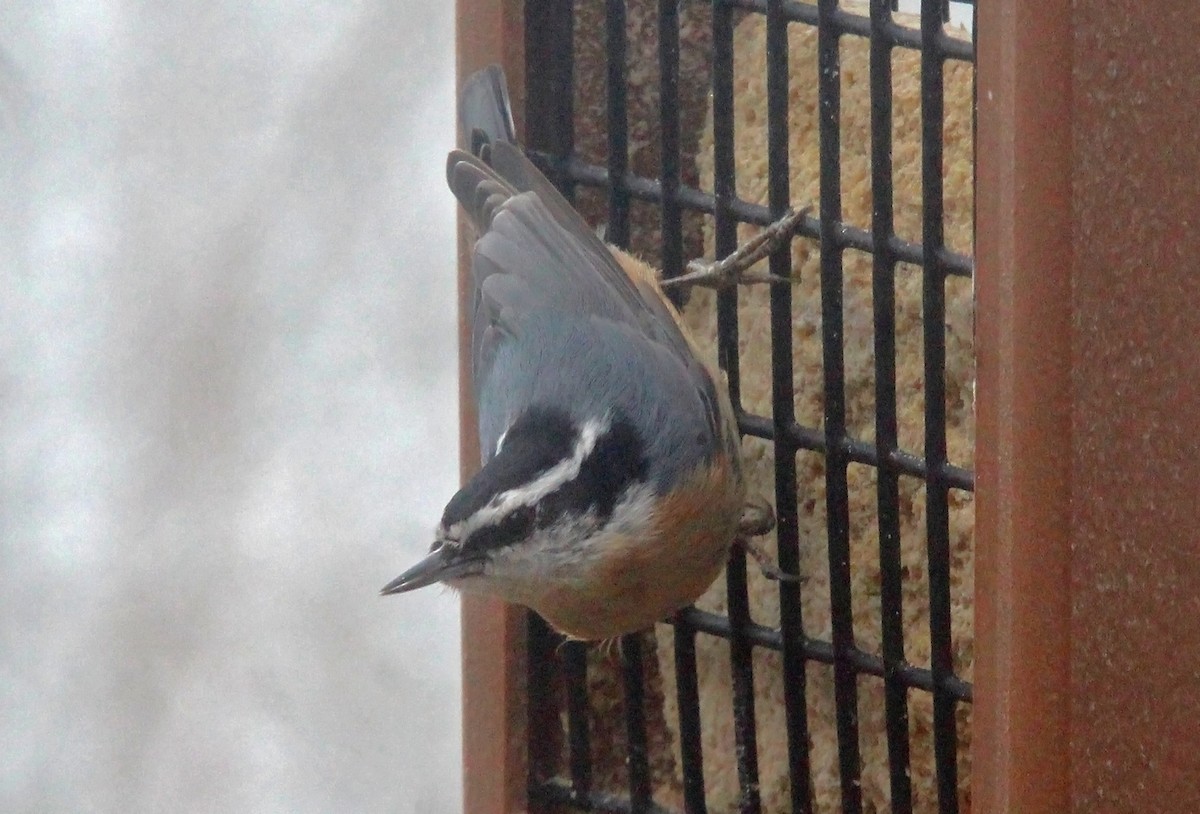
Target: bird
(610, 489)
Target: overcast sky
(227, 406)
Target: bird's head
(531, 517)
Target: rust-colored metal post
(493, 634)
(1022, 455)
(1088, 468)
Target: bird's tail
(484, 111)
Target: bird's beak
(439, 565)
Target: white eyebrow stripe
(529, 494)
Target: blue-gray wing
(591, 366)
(536, 259)
(571, 265)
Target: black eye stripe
(514, 526)
(536, 441)
(615, 463)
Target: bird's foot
(766, 564)
(735, 269)
(758, 518)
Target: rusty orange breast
(637, 580)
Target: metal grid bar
(837, 501)
(550, 90)
(741, 662)
(618, 125)
(669, 144)
(724, 193)
(687, 685)
(579, 742)
(783, 414)
(887, 250)
(633, 673)
(542, 710)
(945, 734)
(860, 452)
(687, 688)
(820, 651)
(577, 171)
(740, 648)
(840, 21)
(883, 297)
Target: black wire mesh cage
(682, 127)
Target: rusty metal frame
(1023, 408)
(493, 634)
(1087, 583)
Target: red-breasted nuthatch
(611, 486)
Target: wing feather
(549, 296)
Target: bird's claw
(758, 518)
(735, 269)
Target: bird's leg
(758, 519)
(735, 269)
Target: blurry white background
(227, 406)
